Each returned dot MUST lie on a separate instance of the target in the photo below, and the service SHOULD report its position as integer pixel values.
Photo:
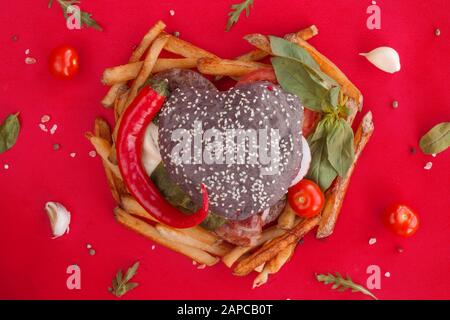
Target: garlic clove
(384, 58)
(59, 218)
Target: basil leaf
(283, 48)
(293, 77)
(333, 96)
(437, 139)
(321, 170)
(340, 146)
(9, 131)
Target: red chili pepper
(129, 150)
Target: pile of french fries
(277, 243)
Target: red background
(34, 266)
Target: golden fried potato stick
(113, 92)
(335, 195)
(130, 205)
(287, 218)
(274, 247)
(147, 66)
(130, 71)
(151, 35)
(103, 148)
(231, 257)
(262, 42)
(117, 187)
(150, 232)
(224, 67)
(177, 235)
(186, 49)
(274, 265)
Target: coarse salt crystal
(172, 12)
(153, 247)
(45, 118)
(194, 262)
(6, 166)
(27, 51)
(29, 60)
(387, 274)
(433, 155)
(428, 165)
(53, 129)
(43, 127)
(201, 266)
(372, 241)
(92, 153)
(73, 154)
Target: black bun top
(258, 178)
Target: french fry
(231, 257)
(224, 67)
(146, 41)
(336, 194)
(262, 42)
(269, 251)
(254, 55)
(129, 204)
(103, 147)
(150, 232)
(147, 66)
(114, 91)
(119, 107)
(287, 218)
(274, 265)
(186, 49)
(218, 249)
(102, 130)
(304, 34)
(130, 71)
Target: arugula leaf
(437, 139)
(342, 284)
(293, 77)
(85, 17)
(121, 285)
(340, 146)
(321, 170)
(236, 10)
(9, 131)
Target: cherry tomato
(306, 198)
(401, 219)
(263, 74)
(63, 62)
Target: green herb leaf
(340, 146)
(131, 272)
(121, 285)
(85, 17)
(294, 78)
(9, 131)
(212, 221)
(343, 284)
(321, 170)
(286, 49)
(236, 10)
(437, 139)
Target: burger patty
(236, 191)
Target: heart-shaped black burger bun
(236, 191)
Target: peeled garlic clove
(384, 58)
(59, 218)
